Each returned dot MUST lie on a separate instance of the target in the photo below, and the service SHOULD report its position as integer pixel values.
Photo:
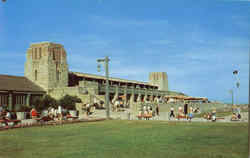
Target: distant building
(46, 71)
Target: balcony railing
(129, 90)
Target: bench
(181, 117)
(144, 116)
(15, 122)
(72, 117)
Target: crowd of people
(186, 112)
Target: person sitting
(234, 117)
(4, 117)
(239, 116)
(8, 115)
(33, 113)
(150, 114)
(208, 116)
(146, 114)
(140, 114)
(51, 113)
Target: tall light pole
(249, 105)
(106, 62)
(232, 92)
(237, 86)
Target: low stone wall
(58, 93)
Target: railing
(129, 90)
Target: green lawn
(127, 139)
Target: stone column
(116, 94)
(132, 97)
(145, 96)
(139, 97)
(125, 94)
(10, 101)
(151, 98)
(28, 99)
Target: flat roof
(87, 75)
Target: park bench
(71, 117)
(220, 118)
(43, 119)
(15, 122)
(181, 117)
(144, 116)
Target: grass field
(127, 139)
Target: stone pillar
(161, 98)
(125, 94)
(28, 99)
(145, 97)
(151, 98)
(139, 97)
(132, 97)
(116, 94)
(10, 101)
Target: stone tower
(159, 79)
(46, 65)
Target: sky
(198, 43)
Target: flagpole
(249, 105)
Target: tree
(69, 102)
(42, 103)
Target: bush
(42, 103)
(48, 101)
(69, 102)
(23, 108)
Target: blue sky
(197, 42)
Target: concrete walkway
(164, 116)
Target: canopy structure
(173, 98)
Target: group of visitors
(210, 115)
(236, 113)
(186, 113)
(117, 104)
(56, 113)
(147, 112)
(5, 115)
(90, 108)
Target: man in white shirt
(88, 109)
(59, 112)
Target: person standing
(214, 114)
(1, 109)
(59, 111)
(190, 114)
(144, 108)
(157, 110)
(88, 109)
(171, 112)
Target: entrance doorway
(185, 109)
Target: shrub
(69, 102)
(42, 103)
(23, 108)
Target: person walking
(88, 109)
(190, 114)
(171, 112)
(157, 110)
(59, 111)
